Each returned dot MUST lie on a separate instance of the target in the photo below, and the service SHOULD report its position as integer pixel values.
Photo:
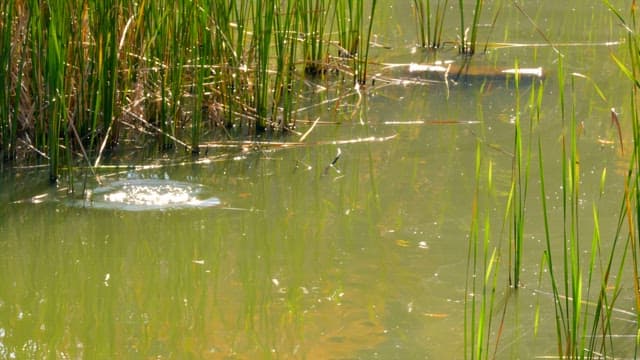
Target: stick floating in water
(450, 67)
(525, 71)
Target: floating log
(454, 71)
(463, 72)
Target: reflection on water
(368, 261)
(148, 194)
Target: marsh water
(350, 245)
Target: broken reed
(80, 73)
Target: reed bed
(85, 77)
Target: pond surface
(145, 195)
(352, 245)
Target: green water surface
(366, 259)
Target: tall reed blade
(7, 135)
(469, 35)
(284, 84)
(482, 270)
(263, 21)
(55, 89)
(429, 22)
(364, 60)
(313, 16)
(519, 183)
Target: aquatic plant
(430, 21)
(86, 77)
(630, 209)
(583, 325)
(518, 191)
(584, 291)
(8, 124)
(362, 65)
(313, 16)
(348, 20)
(483, 259)
(354, 35)
(469, 34)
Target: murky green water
(364, 259)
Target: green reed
(228, 49)
(630, 213)
(85, 77)
(482, 271)
(197, 61)
(583, 326)
(313, 16)
(354, 34)
(571, 284)
(55, 83)
(348, 19)
(145, 65)
(632, 192)
(517, 193)
(430, 22)
(364, 48)
(6, 125)
(584, 298)
(36, 55)
(263, 16)
(284, 87)
(468, 34)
